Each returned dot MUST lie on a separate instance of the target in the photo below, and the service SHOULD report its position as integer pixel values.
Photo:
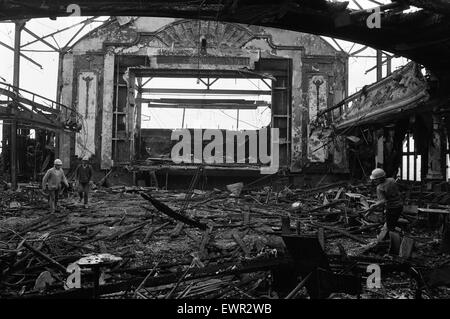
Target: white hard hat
(377, 173)
(57, 162)
(85, 158)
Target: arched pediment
(186, 34)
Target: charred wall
(104, 56)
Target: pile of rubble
(146, 243)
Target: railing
(46, 108)
(402, 90)
(342, 106)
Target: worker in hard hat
(52, 183)
(83, 176)
(388, 196)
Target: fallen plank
(33, 225)
(177, 230)
(44, 256)
(241, 244)
(153, 230)
(333, 203)
(100, 182)
(298, 287)
(319, 189)
(205, 240)
(356, 231)
(339, 193)
(76, 227)
(343, 232)
(50, 226)
(433, 210)
(192, 236)
(146, 278)
(129, 232)
(180, 280)
(171, 213)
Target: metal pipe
(58, 100)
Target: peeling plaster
(317, 134)
(66, 99)
(87, 107)
(107, 121)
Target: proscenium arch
(422, 36)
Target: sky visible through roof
(44, 81)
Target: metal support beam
(145, 83)
(389, 66)
(203, 92)
(379, 65)
(202, 106)
(338, 45)
(266, 83)
(19, 25)
(59, 87)
(376, 2)
(59, 31)
(375, 66)
(39, 38)
(229, 102)
(74, 36)
(358, 51)
(56, 42)
(22, 55)
(358, 5)
(138, 117)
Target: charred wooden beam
(163, 208)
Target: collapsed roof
(423, 35)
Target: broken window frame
(410, 153)
(189, 92)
